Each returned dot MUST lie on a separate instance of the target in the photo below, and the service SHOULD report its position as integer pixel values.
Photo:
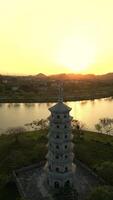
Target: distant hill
(106, 76)
(41, 76)
(72, 76)
(63, 76)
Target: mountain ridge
(69, 76)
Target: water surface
(89, 112)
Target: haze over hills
(64, 76)
(75, 76)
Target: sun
(76, 54)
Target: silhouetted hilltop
(81, 76)
(72, 76)
(41, 76)
(63, 76)
(106, 76)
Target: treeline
(45, 89)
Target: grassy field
(28, 149)
(94, 149)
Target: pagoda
(60, 168)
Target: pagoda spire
(60, 99)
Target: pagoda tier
(59, 167)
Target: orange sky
(56, 36)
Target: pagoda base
(32, 182)
(59, 180)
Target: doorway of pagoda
(56, 184)
(67, 183)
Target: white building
(59, 167)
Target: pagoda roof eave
(60, 107)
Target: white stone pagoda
(60, 168)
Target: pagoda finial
(60, 93)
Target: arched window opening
(57, 146)
(57, 136)
(57, 169)
(65, 136)
(56, 184)
(58, 116)
(67, 183)
(49, 167)
(65, 116)
(66, 156)
(65, 126)
(66, 169)
(65, 146)
(57, 157)
(48, 181)
(58, 126)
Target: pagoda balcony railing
(60, 140)
(52, 156)
(61, 149)
(61, 145)
(61, 137)
(60, 120)
(61, 164)
(52, 133)
(59, 175)
(60, 130)
(62, 161)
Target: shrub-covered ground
(28, 149)
(93, 149)
(96, 151)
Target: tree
(105, 125)
(38, 124)
(16, 132)
(98, 127)
(78, 127)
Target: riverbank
(93, 149)
(53, 99)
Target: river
(89, 112)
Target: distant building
(54, 83)
(15, 88)
(60, 168)
(5, 81)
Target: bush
(105, 170)
(101, 193)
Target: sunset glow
(77, 54)
(52, 36)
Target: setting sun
(56, 36)
(77, 54)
